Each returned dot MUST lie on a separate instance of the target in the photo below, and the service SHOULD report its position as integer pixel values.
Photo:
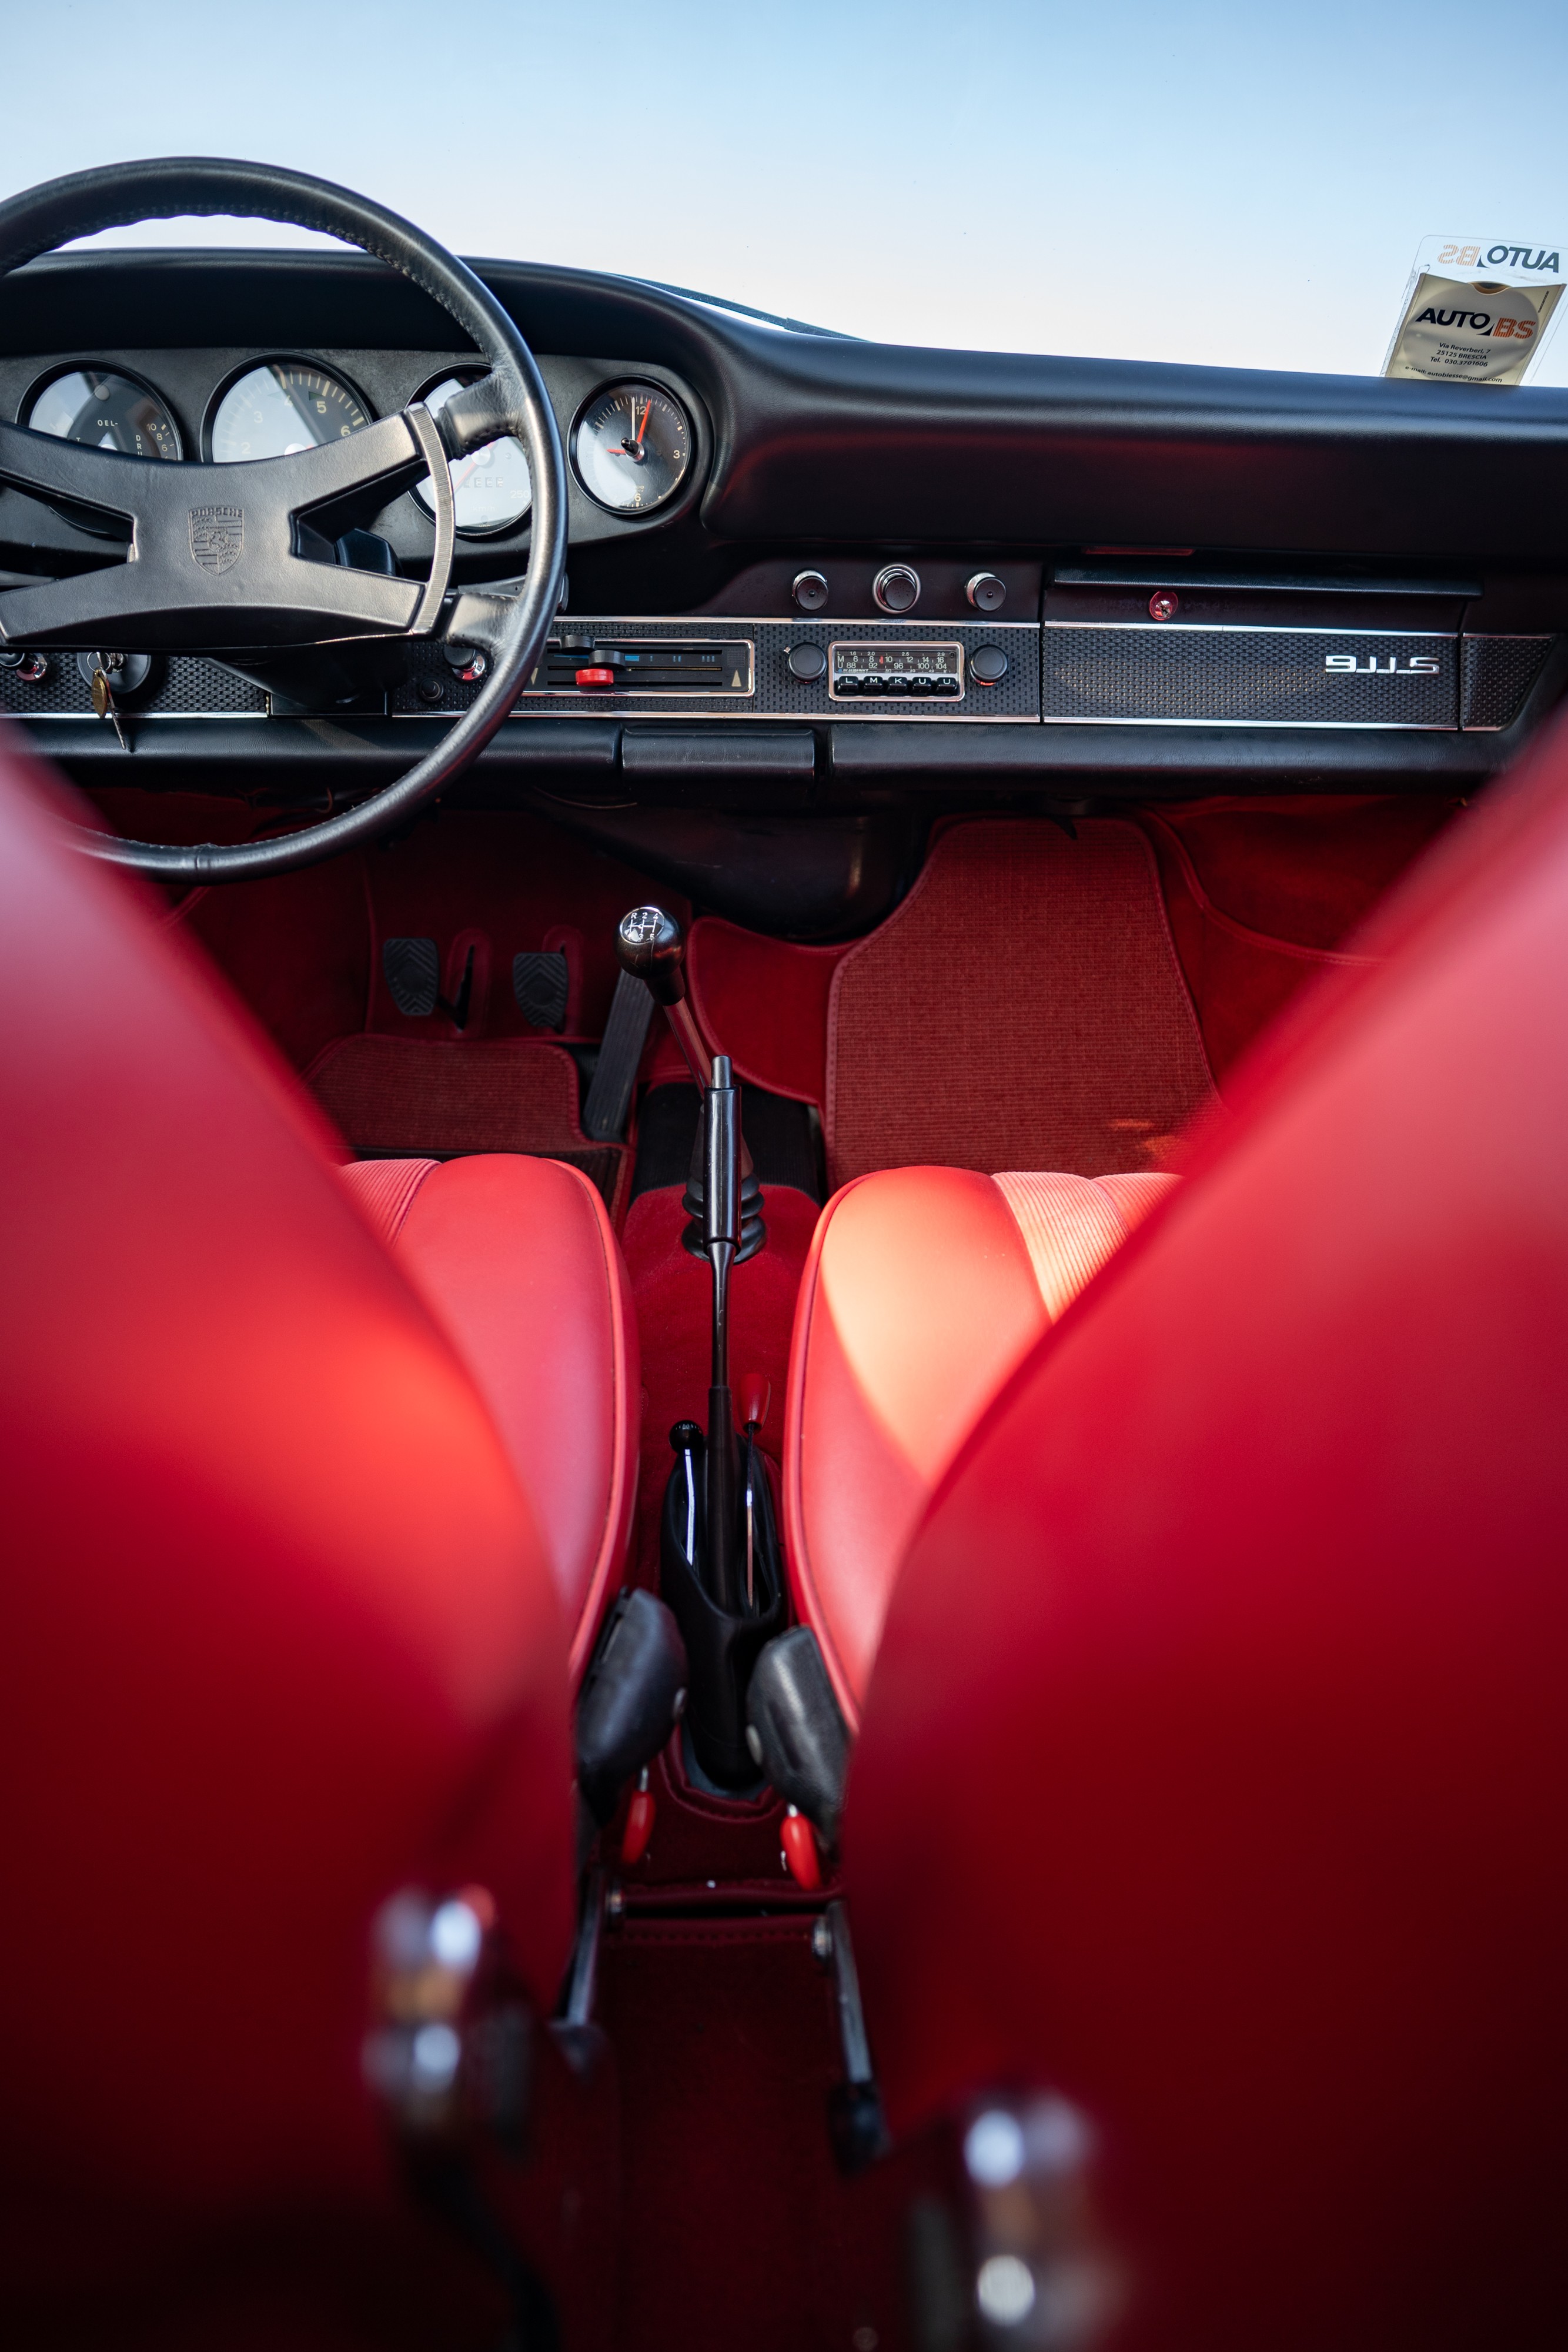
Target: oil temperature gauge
(632, 446)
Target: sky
(1244, 185)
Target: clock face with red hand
(631, 447)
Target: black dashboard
(808, 572)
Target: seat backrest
(1213, 1770)
(279, 1634)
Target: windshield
(1221, 183)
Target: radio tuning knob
(896, 588)
(986, 591)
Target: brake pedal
(412, 973)
(541, 981)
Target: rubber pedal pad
(412, 971)
(541, 980)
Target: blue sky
(1243, 185)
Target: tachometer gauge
(492, 486)
(281, 406)
(106, 411)
(632, 446)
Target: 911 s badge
(1384, 665)
(217, 536)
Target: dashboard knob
(987, 665)
(986, 591)
(810, 591)
(806, 663)
(896, 588)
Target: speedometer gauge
(281, 406)
(632, 447)
(492, 486)
(105, 410)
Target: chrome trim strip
(824, 620)
(840, 714)
(1300, 726)
(1249, 629)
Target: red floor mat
(1023, 1008)
(404, 1095)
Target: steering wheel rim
(509, 399)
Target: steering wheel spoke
(71, 474)
(215, 556)
(224, 557)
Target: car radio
(925, 672)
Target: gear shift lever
(651, 946)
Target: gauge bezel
(660, 506)
(272, 359)
(58, 368)
(465, 376)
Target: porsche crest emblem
(217, 536)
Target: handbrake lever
(721, 1240)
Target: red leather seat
(517, 1261)
(297, 1541)
(1214, 1769)
(924, 1288)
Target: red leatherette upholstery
(280, 1629)
(923, 1288)
(1215, 1768)
(516, 1259)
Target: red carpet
(436, 1099)
(1023, 1008)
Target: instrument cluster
(633, 442)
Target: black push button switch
(806, 663)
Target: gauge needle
(630, 447)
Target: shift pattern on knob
(651, 946)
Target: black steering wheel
(214, 558)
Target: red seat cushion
(923, 1288)
(1215, 1765)
(281, 1627)
(516, 1260)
